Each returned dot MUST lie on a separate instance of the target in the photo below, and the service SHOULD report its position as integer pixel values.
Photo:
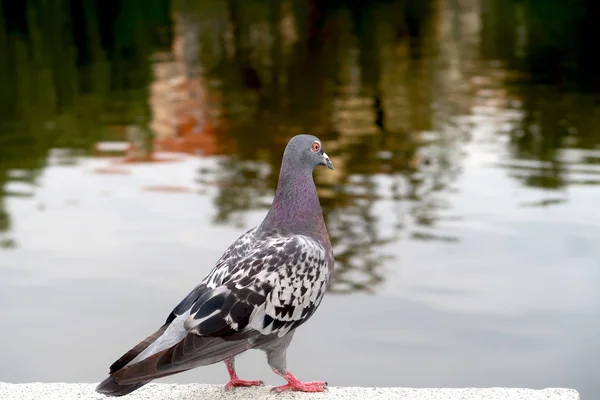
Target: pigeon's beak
(327, 161)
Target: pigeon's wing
(276, 287)
(271, 291)
(230, 257)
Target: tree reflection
(73, 73)
(381, 82)
(551, 47)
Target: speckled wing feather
(258, 294)
(274, 288)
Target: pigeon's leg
(276, 357)
(234, 381)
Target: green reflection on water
(372, 79)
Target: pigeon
(268, 282)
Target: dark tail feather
(110, 387)
(133, 353)
(191, 352)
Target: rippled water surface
(137, 142)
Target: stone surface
(162, 391)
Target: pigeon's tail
(110, 387)
(129, 373)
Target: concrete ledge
(162, 391)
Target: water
(462, 207)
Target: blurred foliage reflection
(383, 83)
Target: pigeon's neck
(296, 206)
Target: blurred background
(138, 139)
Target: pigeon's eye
(316, 146)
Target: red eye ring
(316, 146)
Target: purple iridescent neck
(296, 206)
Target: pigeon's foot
(296, 384)
(236, 382)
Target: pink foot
(236, 382)
(297, 385)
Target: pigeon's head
(306, 151)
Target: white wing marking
(174, 333)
